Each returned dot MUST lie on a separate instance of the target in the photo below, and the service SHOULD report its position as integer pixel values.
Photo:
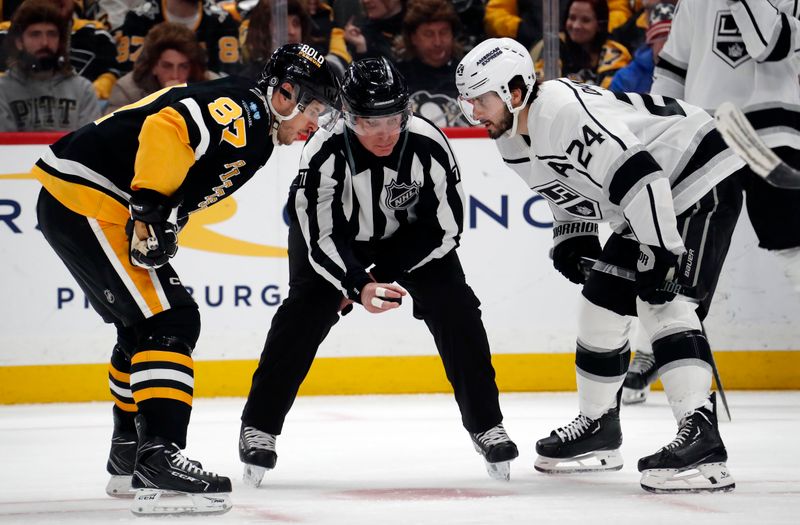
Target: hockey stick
(587, 265)
(740, 136)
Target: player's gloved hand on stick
(152, 229)
(380, 297)
(567, 256)
(654, 268)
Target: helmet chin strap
(277, 118)
(515, 114)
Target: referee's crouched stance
(383, 187)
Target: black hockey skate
(121, 460)
(497, 450)
(585, 445)
(694, 461)
(257, 452)
(641, 374)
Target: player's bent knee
(600, 328)
(661, 320)
(177, 329)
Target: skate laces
(642, 362)
(687, 425)
(574, 429)
(183, 463)
(258, 439)
(493, 436)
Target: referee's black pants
(441, 298)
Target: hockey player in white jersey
(655, 169)
(745, 52)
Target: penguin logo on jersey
(401, 196)
(728, 43)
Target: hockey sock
(684, 365)
(162, 382)
(119, 382)
(599, 375)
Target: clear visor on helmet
(320, 113)
(480, 108)
(383, 125)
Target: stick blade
(740, 136)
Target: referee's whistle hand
(377, 298)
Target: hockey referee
(382, 188)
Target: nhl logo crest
(401, 196)
(728, 43)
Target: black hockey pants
(441, 298)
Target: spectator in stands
(379, 33)
(326, 35)
(41, 91)
(637, 77)
(91, 48)
(518, 19)
(110, 12)
(170, 55)
(430, 31)
(214, 28)
(255, 35)
(586, 52)
(522, 19)
(471, 14)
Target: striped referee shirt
(409, 205)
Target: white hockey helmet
(490, 66)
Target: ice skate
(168, 483)
(121, 460)
(585, 445)
(497, 450)
(641, 374)
(693, 462)
(257, 452)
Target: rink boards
(233, 257)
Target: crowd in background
(67, 62)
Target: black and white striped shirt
(409, 205)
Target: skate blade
(596, 461)
(120, 487)
(500, 471)
(253, 475)
(631, 396)
(156, 502)
(708, 477)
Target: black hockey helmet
(373, 87)
(307, 71)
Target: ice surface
(405, 460)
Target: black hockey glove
(160, 217)
(654, 268)
(567, 256)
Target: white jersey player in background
(655, 169)
(745, 52)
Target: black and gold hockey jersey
(215, 28)
(197, 144)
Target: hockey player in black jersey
(114, 194)
(657, 170)
(382, 189)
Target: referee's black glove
(567, 256)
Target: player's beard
(505, 125)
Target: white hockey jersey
(746, 52)
(635, 161)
